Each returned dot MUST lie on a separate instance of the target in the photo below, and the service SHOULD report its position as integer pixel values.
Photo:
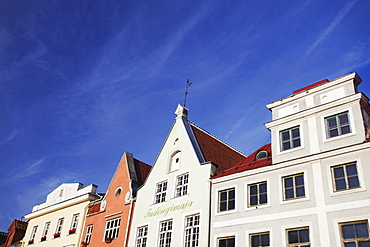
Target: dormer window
(175, 161)
(262, 154)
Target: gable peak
(181, 112)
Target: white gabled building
(311, 186)
(173, 203)
(60, 219)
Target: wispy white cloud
(30, 170)
(342, 13)
(10, 137)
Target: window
(160, 192)
(290, 138)
(118, 192)
(226, 242)
(74, 222)
(112, 228)
(355, 234)
(337, 125)
(345, 177)
(45, 232)
(226, 199)
(299, 237)
(257, 194)
(165, 233)
(59, 225)
(294, 186)
(261, 155)
(192, 231)
(182, 185)
(88, 233)
(141, 238)
(260, 240)
(175, 161)
(33, 235)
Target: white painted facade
(180, 156)
(60, 219)
(323, 209)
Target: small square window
(142, 236)
(182, 185)
(226, 200)
(257, 194)
(226, 241)
(260, 240)
(160, 192)
(345, 177)
(337, 125)
(355, 234)
(298, 237)
(290, 138)
(294, 186)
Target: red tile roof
(216, 151)
(311, 86)
(94, 208)
(142, 170)
(250, 162)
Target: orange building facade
(108, 220)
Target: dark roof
(142, 170)
(216, 151)
(250, 162)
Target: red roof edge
(311, 86)
(367, 138)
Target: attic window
(175, 161)
(262, 154)
(118, 191)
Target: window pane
(340, 184)
(364, 243)
(263, 198)
(299, 180)
(345, 129)
(288, 182)
(353, 182)
(222, 206)
(304, 236)
(293, 237)
(231, 194)
(300, 192)
(253, 189)
(361, 230)
(348, 231)
(295, 133)
(338, 172)
(343, 119)
(289, 193)
(332, 122)
(286, 145)
(253, 200)
(296, 143)
(223, 196)
(333, 132)
(351, 170)
(285, 136)
(231, 205)
(255, 241)
(352, 244)
(263, 187)
(265, 240)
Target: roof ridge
(218, 139)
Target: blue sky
(83, 81)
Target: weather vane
(188, 84)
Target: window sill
(226, 212)
(256, 207)
(347, 191)
(295, 200)
(290, 150)
(326, 139)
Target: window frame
(299, 243)
(227, 200)
(46, 229)
(346, 177)
(259, 234)
(166, 234)
(111, 229)
(291, 138)
(338, 127)
(192, 232)
(353, 240)
(162, 194)
(180, 188)
(142, 236)
(59, 226)
(74, 221)
(33, 233)
(258, 194)
(226, 238)
(174, 167)
(295, 197)
(88, 233)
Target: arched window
(175, 161)
(118, 191)
(262, 154)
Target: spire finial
(188, 84)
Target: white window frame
(33, 233)
(182, 185)
(226, 237)
(298, 244)
(88, 233)
(259, 234)
(111, 229)
(192, 231)
(249, 233)
(59, 227)
(142, 236)
(282, 189)
(291, 139)
(162, 194)
(337, 229)
(165, 233)
(338, 127)
(258, 194)
(346, 177)
(332, 113)
(219, 200)
(175, 161)
(74, 222)
(46, 229)
(294, 186)
(355, 240)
